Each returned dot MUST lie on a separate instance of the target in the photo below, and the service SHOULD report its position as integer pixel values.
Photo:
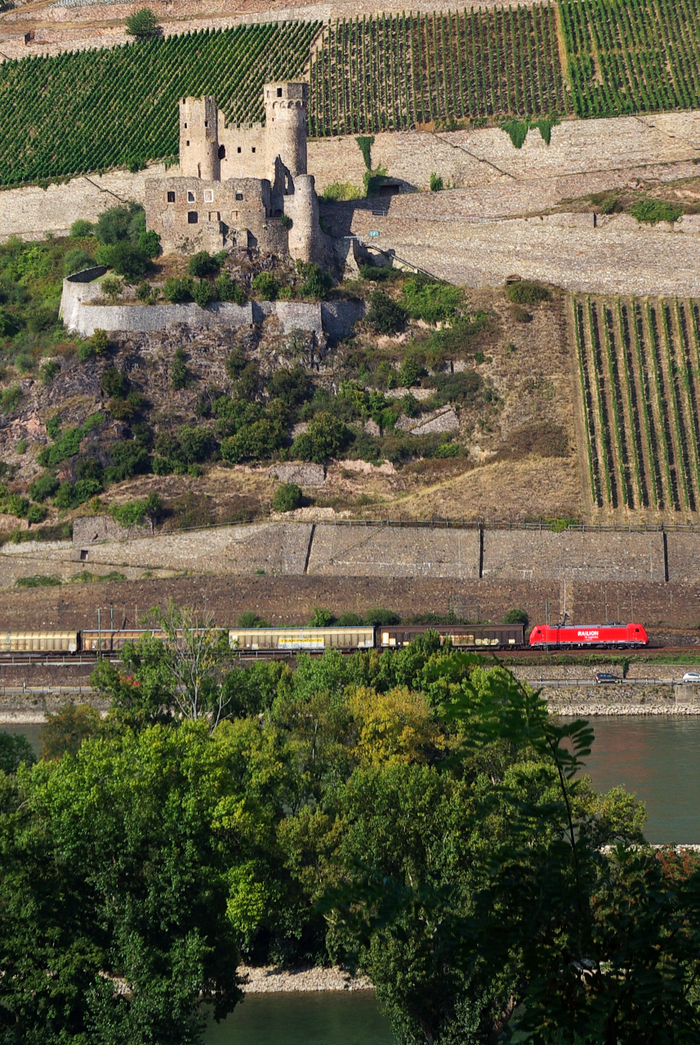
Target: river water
(654, 756)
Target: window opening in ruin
(279, 92)
(192, 217)
(83, 555)
(187, 143)
(190, 196)
(171, 197)
(235, 213)
(222, 152)
(208, 195)
(185, 126)
(239, 195)
(253, 149)
(238, 149)
(206, 123)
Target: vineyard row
(639, 366)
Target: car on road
(603, 677)
(692, 676)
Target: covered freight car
(602, 636)
(295, 639)
(463, 636)
(39, 641)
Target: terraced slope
(391, 72)
(83, 112)
(639, 364)
(627, 56)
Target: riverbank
(624, 698)
(270, 979)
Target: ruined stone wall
(392, 552)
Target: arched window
(222, 152)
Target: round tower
(199, 138)
(285, 125)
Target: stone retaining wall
(391, 552)
(83, 313)
(576, 555)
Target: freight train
(256, 641)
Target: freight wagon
(588, 636)
(462, 635)
(39, 641)
(296, 639)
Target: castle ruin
(240, 186)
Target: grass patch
(39, 580)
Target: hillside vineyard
(88, 111)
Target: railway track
(88, 658)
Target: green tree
(116, 864)
(325, 437)
(143, 24)
(14, 750)
(202, 264)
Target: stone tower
(199, 138)
(285, 125)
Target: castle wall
(199, 138)
(82, 315)
(251, 161)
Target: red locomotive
(588, 636)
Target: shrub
(114, 383)
(385, 315)
(48, 371)
(202, 264)
(142, 23)
(36, 513)
(77, 260)
(80, 229)
(462, 387)
(381, 616)
(10, 399)
(121, 223)
(321, 618)
(229, 290)
(410, 372)
(177, 290)
(516, 616)
(325, 437)
(179, 377)
(129, 458)
(364, 144)
(430, 300)
(436, 182)
(143, 292)
(202, 294)
(112, 288)
(53, 426)
(38, 580)
(253, 442)
(249, 619)
(266, 285)
(14, 748)
(349, 620)
(41, 318)
(126, 260)
(21, 447)
(652, 211)
(526, 293)
(134, 513)
(341, 190)
(43, 487)
(8, 325)
(149, 243)
(291, 386)
(17, 505)
(316, 283)
(286, 498)
(520, 314)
